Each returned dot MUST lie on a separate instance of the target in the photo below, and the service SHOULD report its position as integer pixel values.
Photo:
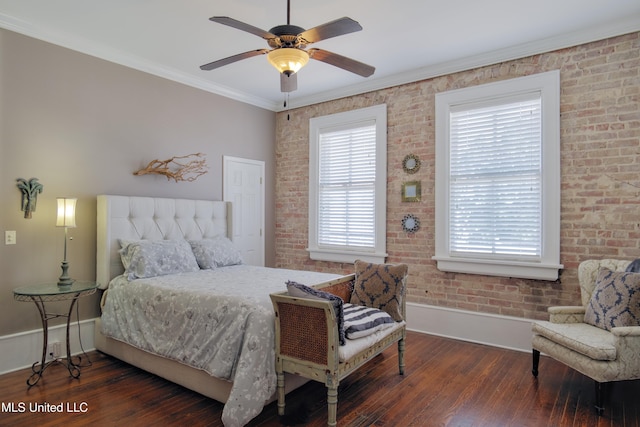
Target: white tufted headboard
(152, 218)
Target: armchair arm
(626, 331)
(627, 342)
(566, 314)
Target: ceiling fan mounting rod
(287, 34)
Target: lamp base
(64, 279)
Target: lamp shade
(66, 212)
(288, 60)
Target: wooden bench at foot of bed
(307, 342)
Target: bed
(208, 329)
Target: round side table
(50, 292)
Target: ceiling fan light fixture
(288, 60)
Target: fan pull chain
(286, 103)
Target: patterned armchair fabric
(602, 355)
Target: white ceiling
(406, 40)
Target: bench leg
(280, 393)
(401, 356)
(332, 402)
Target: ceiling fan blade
(231, 59)
(343, 62)
(288, 83)
(225, 20)
(330, 29)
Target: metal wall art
(411, 164)
(410, 223)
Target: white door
(243, 186)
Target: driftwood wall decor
(179, 168)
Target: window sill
(523, 270)
(345, 256)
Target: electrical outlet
(53, 350)
(10, 237)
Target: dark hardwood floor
(446, 383)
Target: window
(498, 178)
(347, 186)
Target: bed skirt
(176, 372)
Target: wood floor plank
(446, 383)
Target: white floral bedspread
(220, 321)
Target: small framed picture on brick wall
(411, 191)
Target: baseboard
(21, 350)
(512, 333)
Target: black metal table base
(38, 368)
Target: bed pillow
(299, 290)
(125, 256)
(216, 252)
(615, 300)
(150, 258)
(360, 321)
(380, 286)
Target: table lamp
(66, 219)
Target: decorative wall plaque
(410, 223)
(411, 164)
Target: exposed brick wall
(600, 153)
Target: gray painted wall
(82, 126)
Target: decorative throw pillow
(634, 266)
(360, 321)
(216, 252)
(615, 300)
(303, 291)
(380, 286)
(150, 258)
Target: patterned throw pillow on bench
(361, 321)
(380, 286)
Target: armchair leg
(599, 397)
(401, 356)
(536, 362)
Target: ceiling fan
(288, 53)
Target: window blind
(496, 178)
(346, 193)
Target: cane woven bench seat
(307, 341)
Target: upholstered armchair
(586, 337)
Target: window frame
(345, 120)
(547, 266)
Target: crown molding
(617, 28)
(131, 61)
(629, 25)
